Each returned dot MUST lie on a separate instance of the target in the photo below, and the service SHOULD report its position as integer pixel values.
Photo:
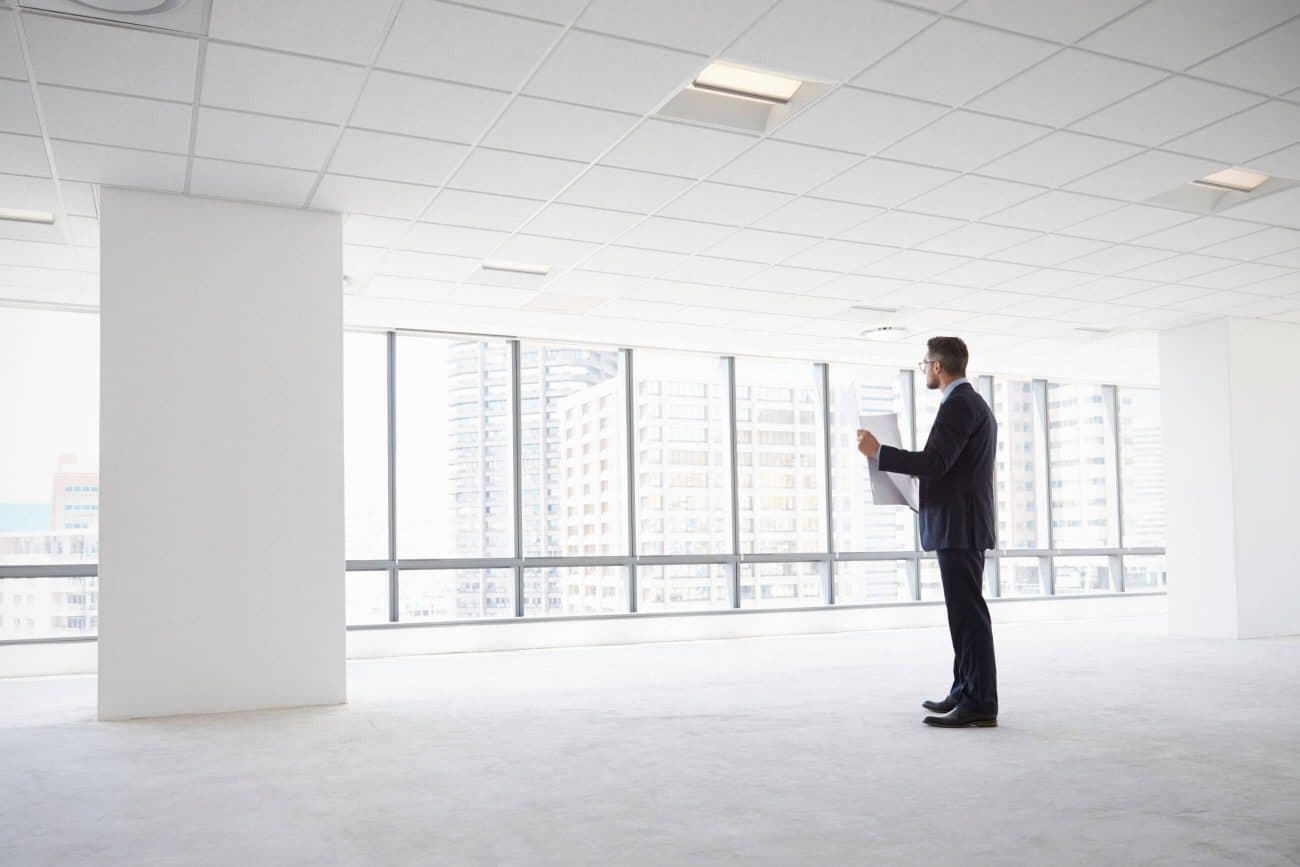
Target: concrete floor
(1116, 746)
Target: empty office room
(649, 432)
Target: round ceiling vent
(881, 330)
(132, 7)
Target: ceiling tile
(913, 265)
(512, 174)
(1066, 87)
(689, 25)
(840, 256)
(783, 278)
(1052, 211)
(366, 196)
(819, 217)
(227, 180)
(17, 111)
(23, 155)
(433, 238)
(719, 203)
(11, 58)
(558, 253)
(1059, 20)
(1113, 260)
(1258, 245)
(34, 254)
(1050, 250)
(977, 239)
(1197, 234)
(1047, 281)
(1109, 288)
(646, 75)
(1128, 222)
(861, 288)
(103, 57)
(1287, 284)
(123, 121)
(118, 167)
(480, 210)
(1256, 131)
(1239, 276)
(428, 266)
(342, 31)
(828, 40)
(359, 229)
(1281, 208)
(1289, 259)
(555, 129)
(1171, 108)
(983, 274)
(883, 182)
(268, 82)
(756, 245)
(1285, 162)
(433, 109)
(28, 193)
(255, 138)
(1178, 268)
(964, 140)
(1059, 158)
(978, 301)
(581, 224)
(970, 197)
(901, 229)
(974, 58)
(855, 120)
(623, 189)
(1269, 63)
(708, 269)
(677, 149)
(1177, 33)
(791, 168)
(1166, 295)
(634, 261)
(458, 43)
(1145, 175)
(394, 157)
(678, 236)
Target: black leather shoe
(945, 706)
(961, 718)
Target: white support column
(1230, 402)
(222, 560)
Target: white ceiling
(982, 165)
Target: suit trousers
(974, 671)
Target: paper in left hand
(889, 489)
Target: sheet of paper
(889, 489)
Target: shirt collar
(947, 391)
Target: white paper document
(889, 489)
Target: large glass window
(456, 594)
(1081, 468)
(781, 585)
(1142, 474)
(573, 590)
(683, 454)
(48, 607)
(779, 456)
(455, 470)
(365, 442)
(859, 582)
(859, 524)
(686, 587)
(1021, 468)
(1082, 575)
(49, 438)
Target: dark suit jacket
(956, 473)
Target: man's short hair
(951, 352)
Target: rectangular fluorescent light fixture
(748, 83)
(516, 267)
(26, 216)
(1237, 180)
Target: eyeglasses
(924, 364)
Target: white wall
(221, 559)
(1230, 412)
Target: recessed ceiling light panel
(516, 267)
(1241, 180)
(26, 216)
(747, 83)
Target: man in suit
(957, 521)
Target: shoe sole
(978, 724)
